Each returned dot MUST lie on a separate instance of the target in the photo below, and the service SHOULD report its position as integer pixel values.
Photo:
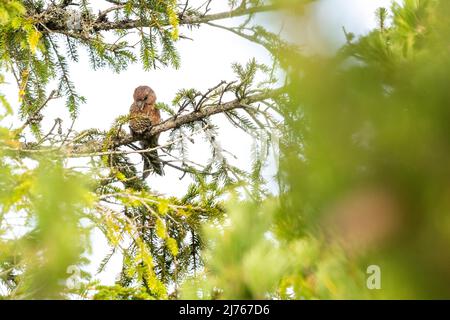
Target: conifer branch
(100, 23)
(194, 116)
(72, 149)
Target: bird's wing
(139, 121)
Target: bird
(143, 116)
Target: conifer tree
(361, 135)
(159, 237)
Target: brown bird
(144, 115)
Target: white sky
(205, 61)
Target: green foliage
(40, 227)
(238, 255)
(363, 174)
(56, 206)
(118, 292)
(364, 157)
(38, 39)
(9, 11)
(361, 137)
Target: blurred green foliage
(364, 173)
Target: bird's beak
(140, 104)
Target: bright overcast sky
(205, 61)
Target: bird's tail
(151, 158)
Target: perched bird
(144, 115)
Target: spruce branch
(178, 121)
